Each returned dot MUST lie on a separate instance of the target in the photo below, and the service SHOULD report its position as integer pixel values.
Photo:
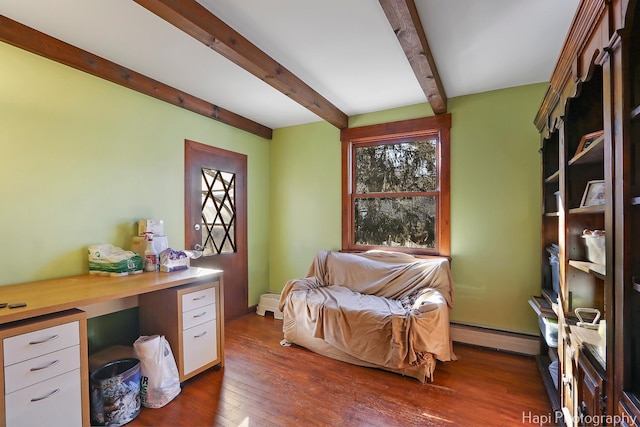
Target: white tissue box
(171, 260)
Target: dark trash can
(115, 392)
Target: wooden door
(216, 218)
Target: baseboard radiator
(496, 339)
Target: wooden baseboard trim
(492, 338)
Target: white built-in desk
(51, 326)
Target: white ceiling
(344, 49)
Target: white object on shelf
(549, 329)
(553, 371)
(595, 247)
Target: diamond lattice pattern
(218, 212)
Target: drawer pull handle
(200, 335)
(36, 399)
(199, 298)
(200, 314)
(42, 341)
(39, 368)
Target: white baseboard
(491, 338)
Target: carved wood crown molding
(567, 75)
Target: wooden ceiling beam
(405, 21)
(23, 37)
(195, 20)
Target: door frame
(191, 150)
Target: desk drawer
(198, 299)
(32, 371)
(43, 341)
(199, 346)
(54, 402)
(198, 316)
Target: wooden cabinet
(45, 371)
(590, 117)
(591, 400)
(568, 384)
(52, 374)
(574, 153)
(192, 320)
(627, 249)
(546, 305)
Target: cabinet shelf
(542, 307)
(592, 120)
(590, 341)
(552, 297)
(554, 177)
(594, 153)
(549, 383)
(587, 210)
(598, 270)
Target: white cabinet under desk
(54, 372)
(192, 322)
(45, 371)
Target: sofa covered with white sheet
(379, 309)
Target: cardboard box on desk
(155, 226)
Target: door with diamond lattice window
(216, 218)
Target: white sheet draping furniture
(380, 309)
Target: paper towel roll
(160, 243)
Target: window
(218, 212)
(395, 183)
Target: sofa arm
(428, 301)
(292, 285)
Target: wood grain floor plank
(264, 384)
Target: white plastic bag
(159, 378)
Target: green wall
(495, 207)
(82, 159)
(306, 197)
(495, 198)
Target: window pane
(218, 212)
(407, 222)
(406, 166)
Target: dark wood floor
(265, 384)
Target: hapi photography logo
(555, 418)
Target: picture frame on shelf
(588, 140)
(594, 194)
